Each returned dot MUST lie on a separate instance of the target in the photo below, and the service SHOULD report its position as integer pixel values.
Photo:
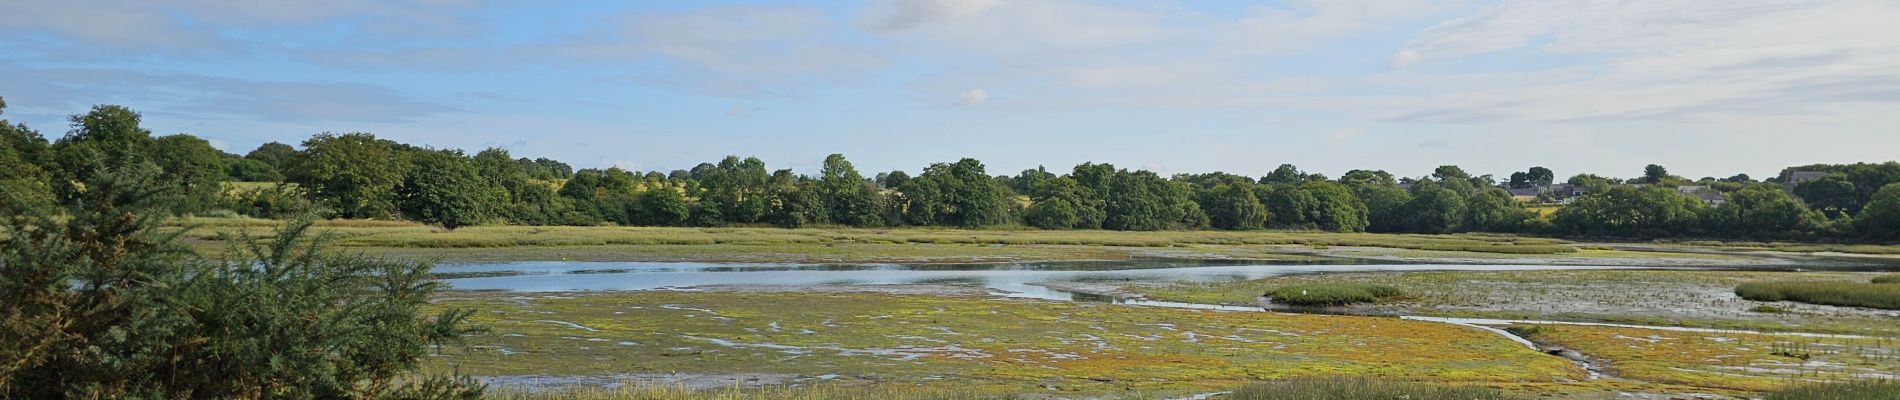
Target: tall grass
(815, 392)
(1362, 389)
(1833, 293)
(1332, 294)
(1866, 390)
(1887, 279)
(406, 234)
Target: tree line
(358, 175)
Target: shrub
(1332, 294)
(1362, 389)
(1865, 390)
(1849, 294)
(100, 302)
(1767, 309)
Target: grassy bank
(1703, 299)
(401, 234)
(1855, 390)
(979, 343)
(1833, 293)
(1331, 294)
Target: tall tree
(1232, 206)
(848, 198)
(277, 155)
(447, 188)
(1881, 217)
(24, 181)
(192, 166)
(353, 174)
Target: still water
(1011, 279)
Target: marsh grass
(1362, 389)
(1887, 279)
(1849, 294)
(1332, 294)
(1859, 390)
(366, 233)
(814, 392)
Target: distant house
(1711, 197)
(1795, 178)
(1690, 189)
(1528, 194)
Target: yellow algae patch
(1004, 342)
(1748, 362)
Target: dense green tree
(1286, 174)
(248, 170)
(24, 156)
(1386, 204)
(1833, 193)
(664, 206)
(955, 194)
(1055, 204)
(1762, 211)
(278, 156)
(1881, 217)
(353, 174)
(1493, 210)
(1436, 209)
(1654, 174)
(1143, 201)
(446, 188)
(106, 137)
(849, 199)
(1637, 212)
(1334, 207)
(191, 165)
(1232, 206)
(1359, 177)
(1540, 176)
(795, 201)
(735, 192)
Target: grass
(1332, 294)
(1690, 298)
(1732, 361)
(1887, 279)
(1853, 390)
(1833, 293)
(811, 392)
(394, 234)
(1018, 346)
(1875, 249)
(1362, 389)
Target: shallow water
(1014, 280)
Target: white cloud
(972, 98)
(897, 15)
(1671, 60)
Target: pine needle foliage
(97, 302)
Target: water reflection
(1012, 279)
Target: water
(1014, 280)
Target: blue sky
(1708, 88)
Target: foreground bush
(1849, 294)
(1332, 294)
(1871, 390)
(96, 301)
(1361, 389)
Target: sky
(1707, 88)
